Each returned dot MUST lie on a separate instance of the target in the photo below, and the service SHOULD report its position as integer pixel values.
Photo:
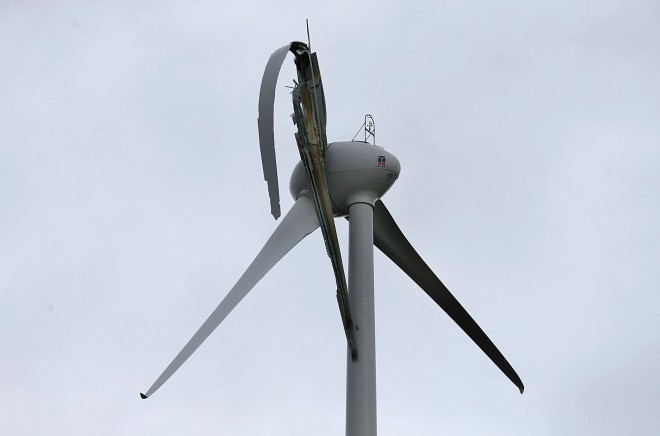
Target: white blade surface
(299, 222)
(265, 122)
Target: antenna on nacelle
(309, 42)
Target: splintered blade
(389, 239)
(316, 176)
(312, 77)
(313, 104)
(309, 113)
(265, 122)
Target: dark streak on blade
(389, 239)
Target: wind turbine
(341, 179)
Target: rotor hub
(356, 172)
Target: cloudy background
(132, 198)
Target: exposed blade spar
(309, 116)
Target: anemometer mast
(369, 127)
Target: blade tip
(144, 397)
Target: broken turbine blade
(309, 117)
(389, 239)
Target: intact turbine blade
(265, 122)
(389, 239)
(299, 222)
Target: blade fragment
(265, 122)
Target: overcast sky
(132, 198)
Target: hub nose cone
(356, 172)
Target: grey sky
(132, 198)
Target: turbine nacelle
(356, 172)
